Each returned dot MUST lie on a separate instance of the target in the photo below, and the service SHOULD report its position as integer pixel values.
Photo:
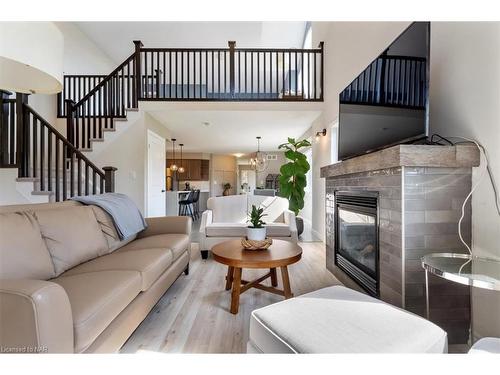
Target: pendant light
(173, 166)
(259, 159)
(181, 168)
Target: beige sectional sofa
(68, 284)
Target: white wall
(223, 168)
(465, 101)
(128, 153)
(81, 56)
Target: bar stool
(196, 206)
(185, 206)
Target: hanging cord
(488, 171)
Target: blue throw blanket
(126, 216)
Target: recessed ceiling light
(206, 123)
(238, 155)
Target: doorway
(156, 180)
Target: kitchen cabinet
(195, 170)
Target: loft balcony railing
(198, 74)
(395, 81)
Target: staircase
(49, 167)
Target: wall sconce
(320, 134)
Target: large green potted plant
(293, 177)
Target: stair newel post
(4, 124)
(23, 136)
(232, 46)
(109, 179)
(70, 124)
(322, 83)
(137, 82)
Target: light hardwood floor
(193, 316)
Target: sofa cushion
(226, 230)
(96, 299)
(278, 230)
(229, 209)
(72, 236)
(150, 263)
(109, 230)
(23, 253)
(177, 243)
(341, 320)
(240, 230)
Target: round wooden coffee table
(280, 254)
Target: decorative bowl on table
(256, 245)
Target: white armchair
(226, 218)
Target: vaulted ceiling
(115, 38)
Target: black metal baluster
(94, 182)
(49, 160)
(283, 88)
(302, 73)
(158, 74)
(213, 82)
(35, 146)
(64, 171)
(258, 74)
(296, 75)
(72, 174)
(251, 74)
(188, 75)
(315, 91)
(42, 156)
(13, 149)
(79, 175)
(182, 75)
(218, 73)
(86, 179)
(56, 157)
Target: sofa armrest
(166, 225)
(206, 219)
(289, 219)
(35, 316)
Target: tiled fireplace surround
(421, 191)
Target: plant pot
(225, 192)
(300, 225)
(256, 234)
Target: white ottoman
(487, 345)
(341, 320)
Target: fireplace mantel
(459, 156)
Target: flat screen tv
(387, 104)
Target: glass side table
(463, 269)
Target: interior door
(156, 199)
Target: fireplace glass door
(358, 239)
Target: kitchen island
(173, 198)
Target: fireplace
(356, 237)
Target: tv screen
(387, 103)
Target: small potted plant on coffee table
(256, 231)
